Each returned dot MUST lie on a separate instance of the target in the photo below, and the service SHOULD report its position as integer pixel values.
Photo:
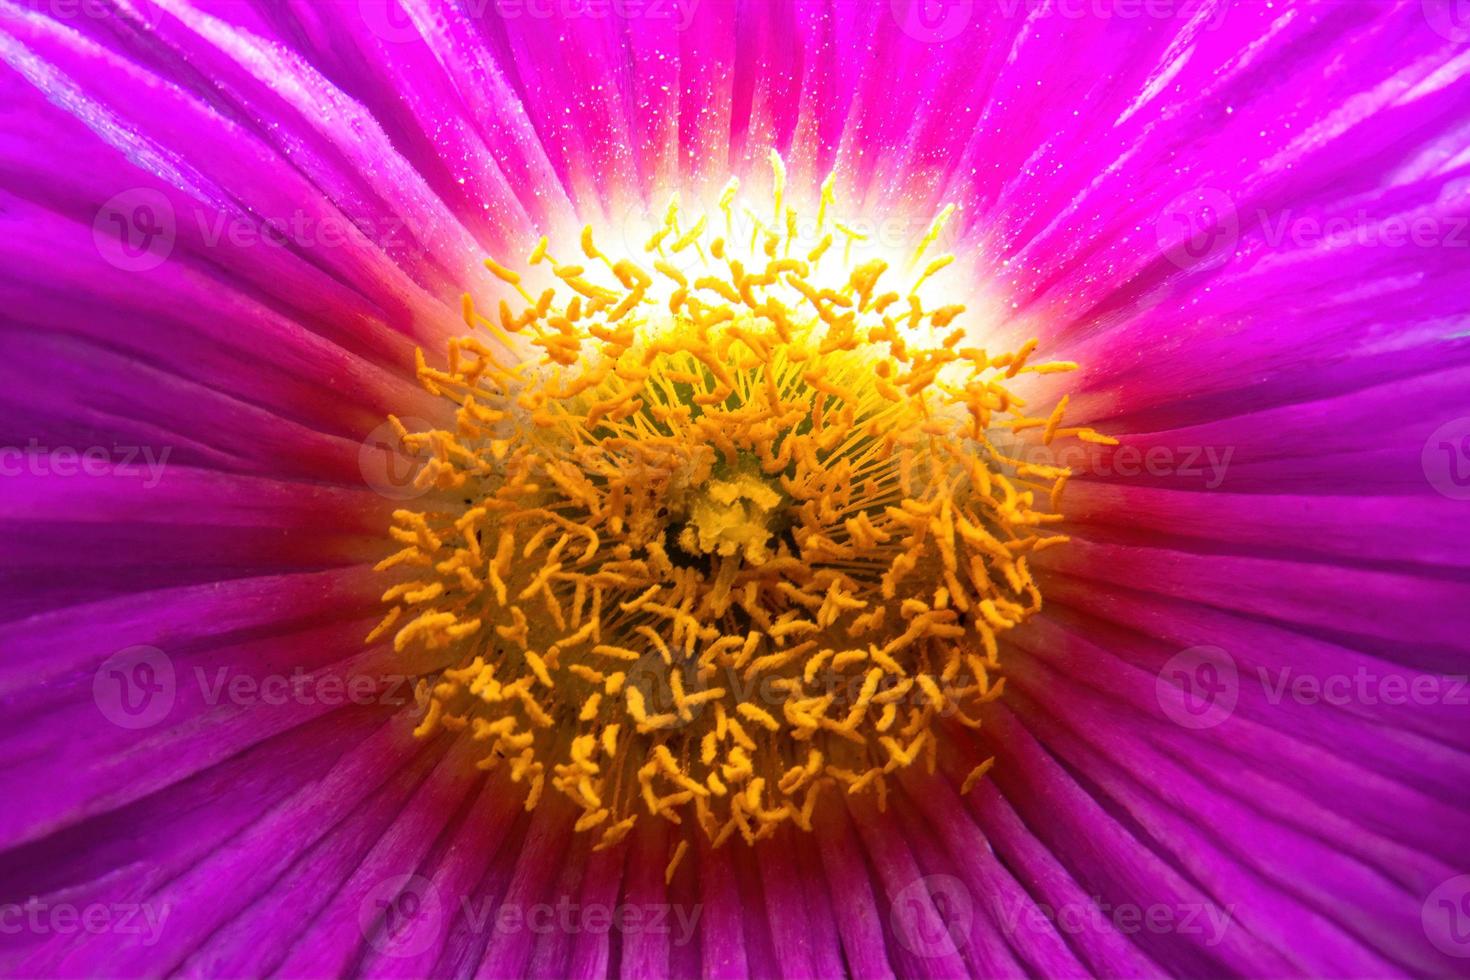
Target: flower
(1016, 527)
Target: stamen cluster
(732, 538)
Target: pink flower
(1234, 738)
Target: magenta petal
(726, 954)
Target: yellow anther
(538, 667)
(502, 273)
(592, 818)
(976, 775)
(759, 716)
(673, 864)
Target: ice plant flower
(1007, 517)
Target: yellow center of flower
(739, 534)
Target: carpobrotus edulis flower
(740, 533)
(1223, 727)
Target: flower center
(732, 516)
(741, 534)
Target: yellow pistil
(738, 536)
(732, 516)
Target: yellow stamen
(739, 532)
